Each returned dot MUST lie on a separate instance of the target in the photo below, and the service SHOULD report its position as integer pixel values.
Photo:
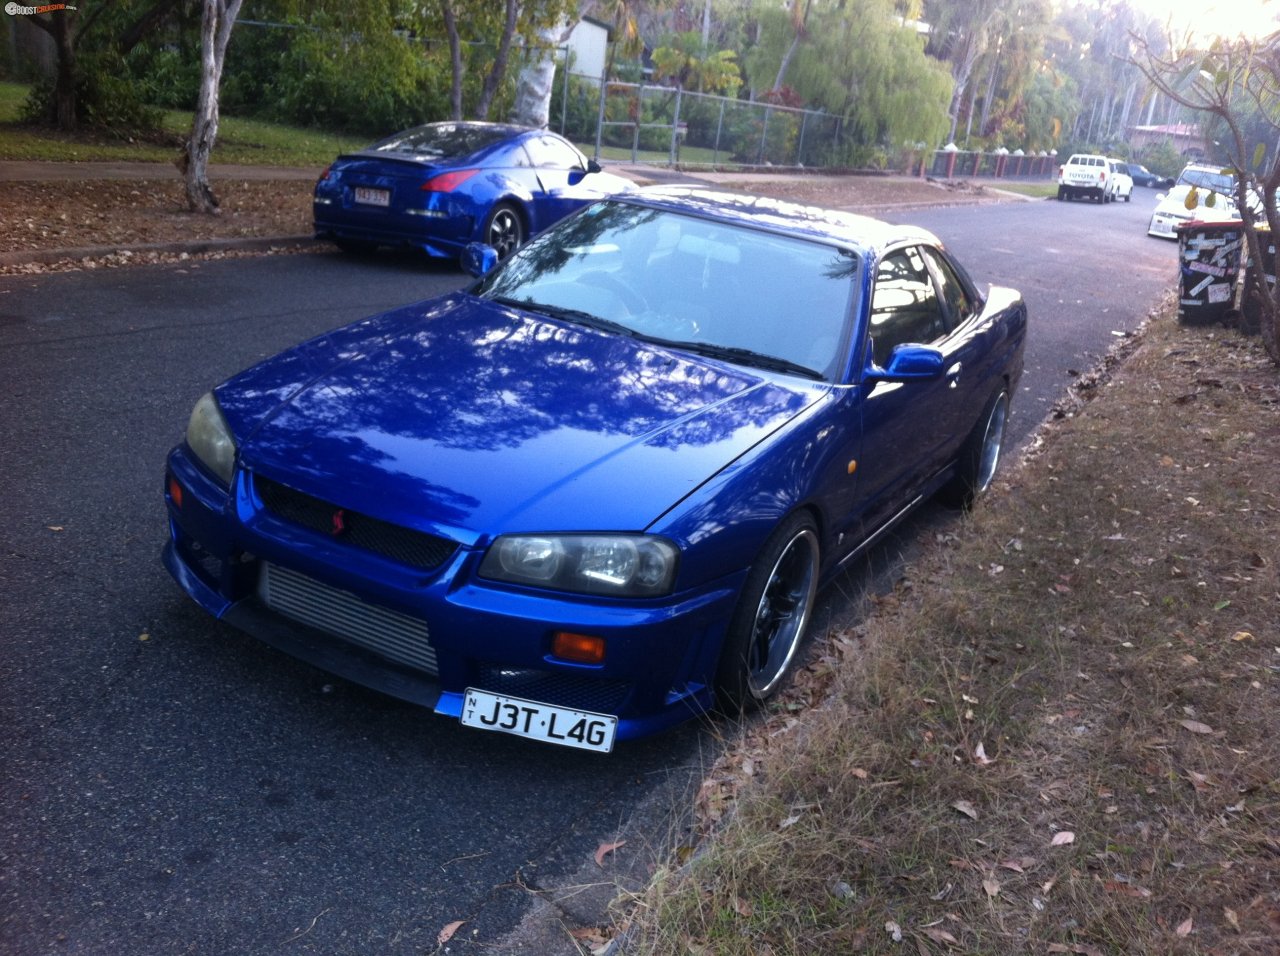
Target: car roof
(861, 233)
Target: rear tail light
(325, 175)
(448, 182)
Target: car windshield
(1216, 180)
(728, 291)
(442, 140)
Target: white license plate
(373, 197)
(528, 718)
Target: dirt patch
(65, 215)
(80, 214)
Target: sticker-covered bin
(1209, 265)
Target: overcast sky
(1227, 18)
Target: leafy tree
(686, 61)
(960, 35)
(1236, 84)
(109, 30)
(860, 62)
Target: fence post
(604, 92)
(675, 129)
(715, 152)
(764, 135)
(800, 147)
(635, 138)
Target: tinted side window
(552, 151)
(959, 303)
(904, 304)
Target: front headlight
(617, 565)
(210, 439)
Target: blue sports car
(595, 493)
(443, 185)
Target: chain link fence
(645, 122)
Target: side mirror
(911, 363)
(478, 259)
(578, 175)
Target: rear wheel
(504, 230)
(980, 454)
(769, 621)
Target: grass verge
(239, 140)
(1035, 190)
(1061, 734)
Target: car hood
(466, 418)
(1175, 204)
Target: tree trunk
(455, 59)
(64, 87)
(499, 69)
(60, 26)
(791, 50)
(534, 86)
(215, 33)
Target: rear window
(442, 140)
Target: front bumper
(435, 634)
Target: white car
(1171, 210)
(1119, 182)
(1084, 174)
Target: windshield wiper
(569, 315)
(734, 353)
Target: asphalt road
(168, 785)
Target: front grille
(417, 549)
(548, 687)
(395, 636)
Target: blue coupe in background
(595, 493)
(440, 186)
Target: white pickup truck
(1084, 175)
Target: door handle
(953, 375)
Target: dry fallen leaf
(894, 931)
(1062, 838)
(1080, 949)
(446, 934)
(967, 808)
(991, 887)
(980, 756)
(604, 849)
(939, 935)
(1196, 727)
(1185, 927)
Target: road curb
(191, 247)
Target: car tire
(504, 229)
(1128, 196)
(1062, 193)
(980, 454)
(769, 622)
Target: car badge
(338, 525)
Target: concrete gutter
(190, 247)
